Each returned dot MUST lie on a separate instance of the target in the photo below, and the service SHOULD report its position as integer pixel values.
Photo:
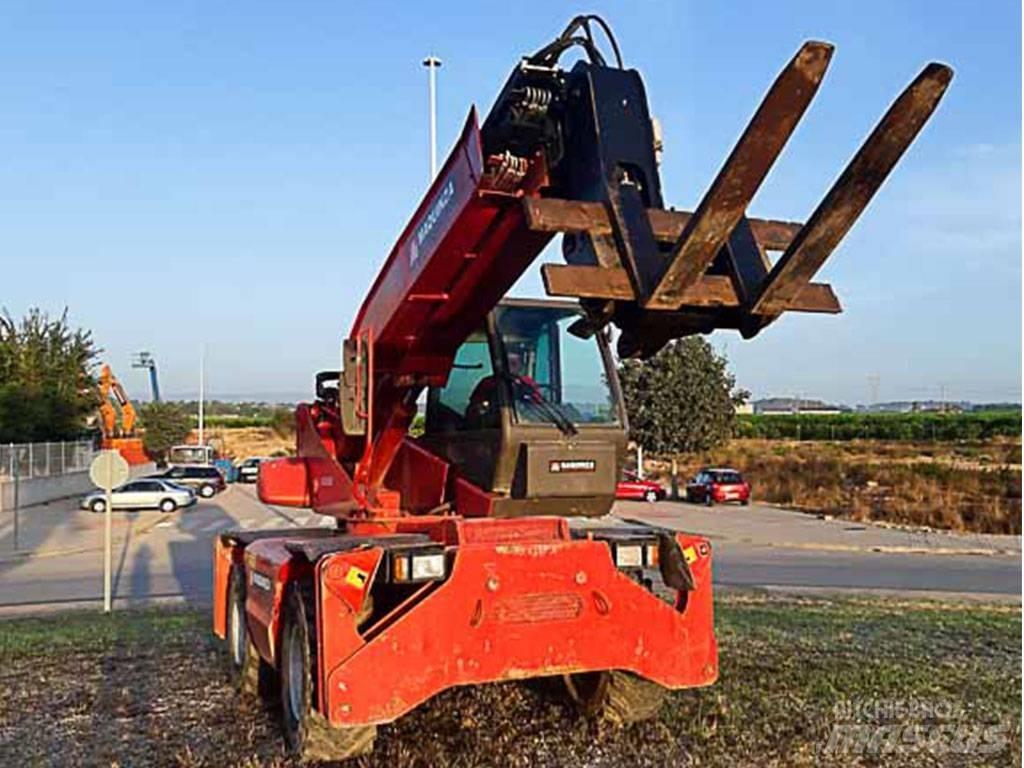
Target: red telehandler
(482, 550)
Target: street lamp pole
(432, 63)
(202, 388)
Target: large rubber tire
(617, 697)
(307, 733)
(251, 675)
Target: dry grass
(240, 442)
(150, 688)
(966, 487)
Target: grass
(150, 688)
(970, 486)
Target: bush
(980, 425)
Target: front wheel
(618, 697)
(651, 497)
(307, 732)
(99, 505)
(709, 500)
(207, 491)
(168, 506)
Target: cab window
(469, 400)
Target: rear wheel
(618, 697)
(306, 731)
(250, 673)
(207, 491)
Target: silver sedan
(146, 493)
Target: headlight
(635, 555)
(418, 567)
(629, 556)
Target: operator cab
(531, 412)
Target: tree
(282, 421)
(47, 387)
(165, 424)
(682, 399)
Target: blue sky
(236, 173)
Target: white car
(146, 493)
(249, 470)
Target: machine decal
(572, 465)
(426, 227)
(356, 577)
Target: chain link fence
(28, 460)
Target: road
(170, 556)
(763, 546)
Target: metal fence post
(17, 472)
(30, 461)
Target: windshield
(554, 377)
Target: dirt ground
(150, 688)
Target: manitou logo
(572, 465)
(426, 227)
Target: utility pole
(202, 376)
(432, 63)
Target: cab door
(464, 417)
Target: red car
(718, 486)
(633, 487)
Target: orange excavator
(122, 439)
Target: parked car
(718, 486)
(632, 486)
(249, 470)
(144, 493)
(206, 480)
(185, 455)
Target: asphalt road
(170, 556)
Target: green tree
(282, 421)
(682, 399)
(47, 387)
(165, 424)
